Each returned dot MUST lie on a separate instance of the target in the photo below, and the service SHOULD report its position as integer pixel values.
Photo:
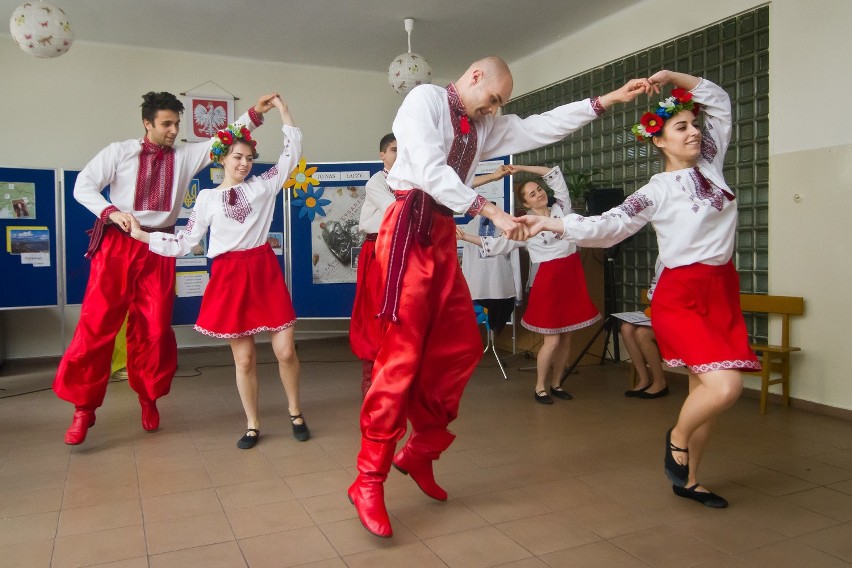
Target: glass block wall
(733, 53)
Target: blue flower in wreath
(310, 202)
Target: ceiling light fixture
(41, 29)
(408, 70)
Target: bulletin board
(28, 223)
(189, 270)
(324, 245)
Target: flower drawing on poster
(301, 177)
(336, 237)
(207, 115)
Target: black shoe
(543, 398)
(559, 392)
(706, 498)
(659, 394)
(300, 431)
(636, 392)
(248, 441)
(677, 473)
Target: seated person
(642, 347)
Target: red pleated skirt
(697, 319)
(246, 295)
(559, 301)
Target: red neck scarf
(155, 177)
(463, 148)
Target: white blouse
(494, 277)
(424, 134)
(545, 245)
(241, 225)
(693, 223)
(378, 198)
(117, 166)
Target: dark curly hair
(153, 102)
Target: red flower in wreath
(226, 137)
(696, 108)
(652, 122)
(682, 95)
(245, 133)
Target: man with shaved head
(430, 342)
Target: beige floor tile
(179, 505)
(610, 520)
(825, 501)
(836, 541)
(772, 482)
(726, 532)
(411, 555)
(544, 534)
(476, 548)
(350, 537)
(320, 483)
(28, 528)
(595, 555)
(303, 464)
(435, 519)
(109, 515)
(291, 548)
(221, 555)
(26, 554)
(99, 547)
(505, 506)
(187, 532)
(89, 495)
(166, 482)
(232, 465)
(665, 547)
(13, 504)
(253, 493)
(258, 520)
(329, 508)
(789, 554)
(139, 562)
(814, 471)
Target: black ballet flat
(247, 441)
(559, 392)
(542, 397)
(659, 394)
(635, 393)
(706, 498)
(676, 472)
(300, 431)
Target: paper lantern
(41, 29)
(408, 70)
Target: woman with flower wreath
(696, 307)
(246, 293)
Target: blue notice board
(78, 219)
(28, 224)
(324, 239)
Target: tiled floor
(577, 484)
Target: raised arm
(290, 153)
(497, 174)
(665, 77)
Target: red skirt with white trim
(246, 295)
(696, 316)
(559, 301)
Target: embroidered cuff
(255, 117)
(106, 213)
(597, 106)
(477, 206)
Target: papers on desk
(636, 318)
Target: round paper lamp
(407, 71)
(41, 29)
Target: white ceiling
(356, 34)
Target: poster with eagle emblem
(204, 115)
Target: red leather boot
(368, 491)
(366, 376)
(416, 457)
(150, 414)
(84, 419)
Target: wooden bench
(773, 358)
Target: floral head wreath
(651, 123)
(226, 137)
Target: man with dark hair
(364, 327)
(148, 179)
